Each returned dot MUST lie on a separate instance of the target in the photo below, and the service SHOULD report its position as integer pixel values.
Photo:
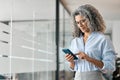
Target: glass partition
(28, 40)
(65, 39)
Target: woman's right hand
(69, 58)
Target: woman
(95, 52)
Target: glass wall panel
(5, 16)
(65, 39)
(27, 38)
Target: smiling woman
(95, 52)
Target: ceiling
(45, 9)
(110, 9)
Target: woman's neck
(86, 34)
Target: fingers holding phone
(67, 51)
(69, 57)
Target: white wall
(116, 36)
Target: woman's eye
(83, 20)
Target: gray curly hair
(96, 22)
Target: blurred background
(33, 32)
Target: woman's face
(82, 23)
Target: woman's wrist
(87, 58)
(72, 64)
(98, 63)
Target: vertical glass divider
(11, 37)
(33, 45)
(47, 41)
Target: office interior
(34, 32)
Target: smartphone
(67, 51)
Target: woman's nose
(80, 24)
